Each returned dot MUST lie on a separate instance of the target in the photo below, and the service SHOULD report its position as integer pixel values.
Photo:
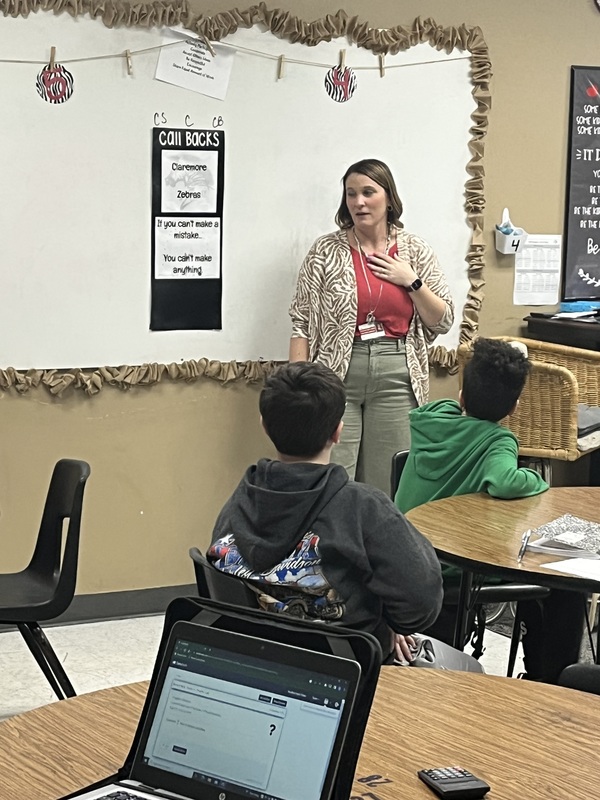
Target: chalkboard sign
(187, 231)
(581, 270)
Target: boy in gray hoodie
(319, 544)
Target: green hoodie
(452, 454)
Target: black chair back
(55, 557)
(200, 564)
(217, 585)
(398, 464)
(584, 677)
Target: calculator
(454, 783)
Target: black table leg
(462, 611)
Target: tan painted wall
(164, 459)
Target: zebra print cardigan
(324, 306)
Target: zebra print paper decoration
(340, 83)
(54, 84)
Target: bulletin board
(77, 176)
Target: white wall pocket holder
(510, 243)
(509, 239)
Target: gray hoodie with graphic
(385, 571)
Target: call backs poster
(187, 235)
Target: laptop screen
(246, 720)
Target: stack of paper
(581, 567)
(568, 536)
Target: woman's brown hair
(380, 173)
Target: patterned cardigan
(324, 306)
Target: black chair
(485, 595)
(216, 585)
(398, 463)
(45, 588)
(584, 677)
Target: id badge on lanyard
(371, 329)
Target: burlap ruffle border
(57, 382)
(287, 26)
(113, 14)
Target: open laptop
(234, 717)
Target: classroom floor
(101, 654)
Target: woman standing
(369, 299)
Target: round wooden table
(526, 740)
(482, 535)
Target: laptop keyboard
(120, 795)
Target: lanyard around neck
(362, 259)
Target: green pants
(379, 397)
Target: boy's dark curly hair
(493, 379)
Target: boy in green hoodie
(460, 448)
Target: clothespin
(280, 67)
(129, 62)
(381, 65)
(342, 62)
(209, 47)
(52, 57)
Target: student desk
(525, 739)
(482, 535)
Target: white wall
(75, 221)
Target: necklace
(362, 257)
(359, 247)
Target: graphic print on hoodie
(296, 585)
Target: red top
(394, 308)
